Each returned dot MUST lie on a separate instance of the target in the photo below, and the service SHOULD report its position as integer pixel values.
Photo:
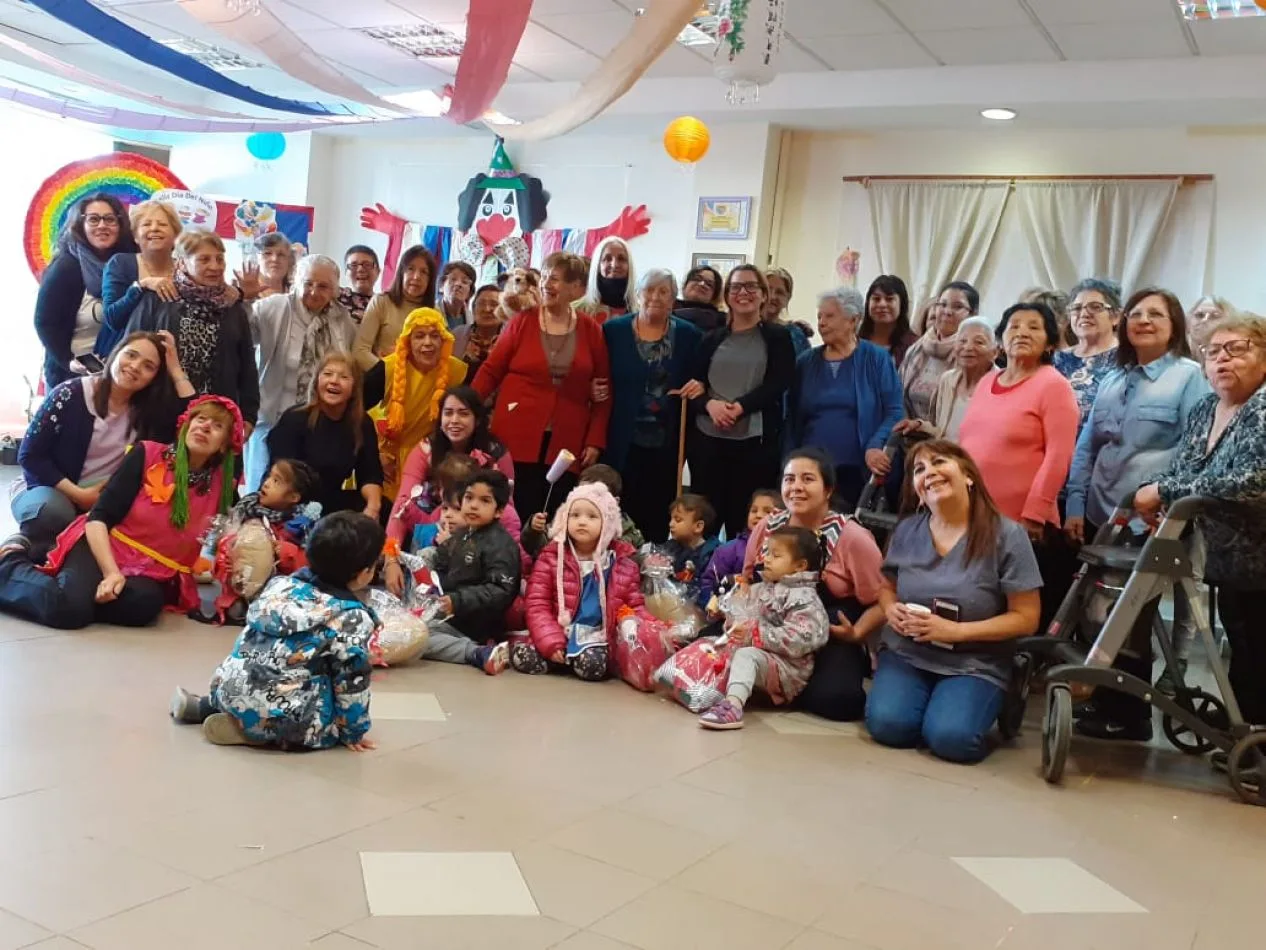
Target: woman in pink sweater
(1020, 428)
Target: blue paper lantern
(266, 146)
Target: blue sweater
(628, 381)
(876, 391)
(119, 297)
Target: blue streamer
(83, 16)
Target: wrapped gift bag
(696, 674)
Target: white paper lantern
(749, 36)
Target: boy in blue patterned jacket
(298, 676)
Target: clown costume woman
(132, 555)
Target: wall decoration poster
(721, 263)
(726, 219)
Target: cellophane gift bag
(667, 598)
(401, 636)
(642, 644)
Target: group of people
(530, 442)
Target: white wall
(219, 166)
(821, 215)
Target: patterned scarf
(198, 331)
(318, 340)
(478, 348)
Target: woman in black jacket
(209, 323)
(745, 369)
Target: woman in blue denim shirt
(1132, 433)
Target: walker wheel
(1057, 731)
(1246, 765)
(1208, 709)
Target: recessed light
(998, 115)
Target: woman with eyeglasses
(1204, 316)
(700, 299)
(886, 322)
(1222, 455)
(1093, 316)
(68, 306)
(933, 353)
(457, 282)
(746, 369)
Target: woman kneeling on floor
(133, 553)
(959, 580)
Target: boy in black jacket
(478, 568)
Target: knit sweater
(1022, 439)
(380, 329)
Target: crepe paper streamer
(261, 30)
(130, 178)
(493, 31)
(652, 34)
(148, 121)
(247, 220)
(88, 19)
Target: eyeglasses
(744, 288)
(1153, 315)
(702, 281)
(1092, 309)
(95, 220)
(361, 265)
(953, 307)
(1231, 348)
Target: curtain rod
(1185, 179)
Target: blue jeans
(257, 462)
(952, 715)
(42, 514)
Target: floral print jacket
(791, 625)
(299, 673)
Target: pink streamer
(493, 31)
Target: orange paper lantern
(686, 139)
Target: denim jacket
(1132, 433)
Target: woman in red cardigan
(543, 370)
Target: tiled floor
(554, 813)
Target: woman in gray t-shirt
(959, 581)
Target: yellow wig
(395, 407)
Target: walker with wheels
(1113, 586)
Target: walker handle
(1187, 507)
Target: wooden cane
(681, 445)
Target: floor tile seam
(27, 920)
(118, 913)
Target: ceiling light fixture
(419, 40)
(1220, 9)
(217, 57)
(998, 115)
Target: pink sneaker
(724, 715)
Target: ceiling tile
(1057, 12)
(539, 41)
(375, 58)
(677, 61)
(1239, 37)
(434, 11)
(358, 14)
(920, 15)
(987, 47)
(571, 67)
(1105, 41)
(542, 8)
(838, 18)
(793, 58)
(298, 18)
(892, 51)
(596, 32)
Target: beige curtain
(929, 233)
(1078, 229)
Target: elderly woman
(155, 226)
(611, 282)
(1094, 314)
(941, 677)
(700, 299)
(849, 583)
(543, 370)
(1222, 456)
(886, 322)
(209, 323)
(362, 267)
(457, 280)
(412, 288)
(1057, 300)
(472, 342)
(68, 307)
(746, 369)
(132, 555)
(974, 352)
(276, 263)
(845, 397)
(294, 332)
(932, 354)
(651, 355)
(781, 286)
(333, 434)
(1204, 316)
(81, 432)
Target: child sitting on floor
(534, 534)
(298, 676)
(437, 532)
(727, 561)
(581, 580)
(688, 543)
(478, 569)
(775, 653)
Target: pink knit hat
(601, 498)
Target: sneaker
(1101, 727)
(223, 729)
(1166, 682)
(492, 659)
(724, 715)
(184, 706)
(15, 543)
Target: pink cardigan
(1022, 440)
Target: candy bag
(696, 674)
(400, 637)
(422, 589)
(667, 598)
(643, 643)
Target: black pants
(727, 472)
(835, 689)
(531, 488)
(650, 485)
(591, 665)
(1242, 612)
(67, 599)
(1134, 659)
(1057, 562)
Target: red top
(528, 402)
(624, 589)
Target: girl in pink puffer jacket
(583, 577)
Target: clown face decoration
(499, 209)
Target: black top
(766, 398)
(56, 310)
(479, 568)
(120, 492)
(330, 449)
(704, 316)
